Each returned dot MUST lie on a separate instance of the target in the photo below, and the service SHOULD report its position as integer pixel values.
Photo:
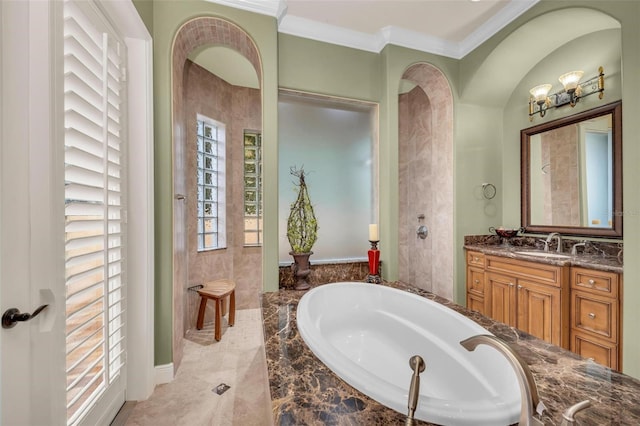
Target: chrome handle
(422, 232)
(592, 315)
(13, 315)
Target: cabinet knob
(591, 283)
(511, 284)
(519, 286)
(475, 259)
(477, 281)
(592, 315)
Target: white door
(31, 353)
(61, 246)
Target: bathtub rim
(345, 368)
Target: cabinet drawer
(475, 258)
(595, 281)
(594, 314)
(600, 351)
(476, 303)
(475, 281)
(539, 272)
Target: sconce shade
(574, 90)
(570, 80)
(540, 93)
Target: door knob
(13, 315)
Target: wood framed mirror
(571, 174)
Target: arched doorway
(240, 109)
(425, 139)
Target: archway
(191, 267)
(425, 142)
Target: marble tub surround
(305, 392)
(595, 255)
(323, 273)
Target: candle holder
(374, 263)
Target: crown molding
(275, 8)
(314, 30)
(494, 24)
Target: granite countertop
(305, 392)
(599, 256)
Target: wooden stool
(217, 290)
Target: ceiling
(451, 28)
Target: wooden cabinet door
(501, 301)
(538, 308)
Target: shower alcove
(425, 143)
(197, 90)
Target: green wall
(312, 66)
(621, 83)
(484, 130)
(326, 69)
(168, 16)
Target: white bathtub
(366, 333)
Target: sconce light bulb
(540, 92)
(571, 80)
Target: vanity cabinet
(595, 315)
(573, 307)
(533, 297)
(476, 282)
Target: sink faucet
(528, 390)
(574, 248)
(551, 237)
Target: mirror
(571, 171)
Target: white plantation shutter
(94, 206)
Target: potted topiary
(302, 231)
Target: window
(336, 142)
(94, 99)
(211, 176)
(252, 188)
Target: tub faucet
(528, 390)
(551, 237)
(417, 365)
(568, 418)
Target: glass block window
(210, 177)
(252, 188)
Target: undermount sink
(545, 254)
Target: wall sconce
(573, 90)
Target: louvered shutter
(94, 206)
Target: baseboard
(164, 373)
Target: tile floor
(237, 360)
